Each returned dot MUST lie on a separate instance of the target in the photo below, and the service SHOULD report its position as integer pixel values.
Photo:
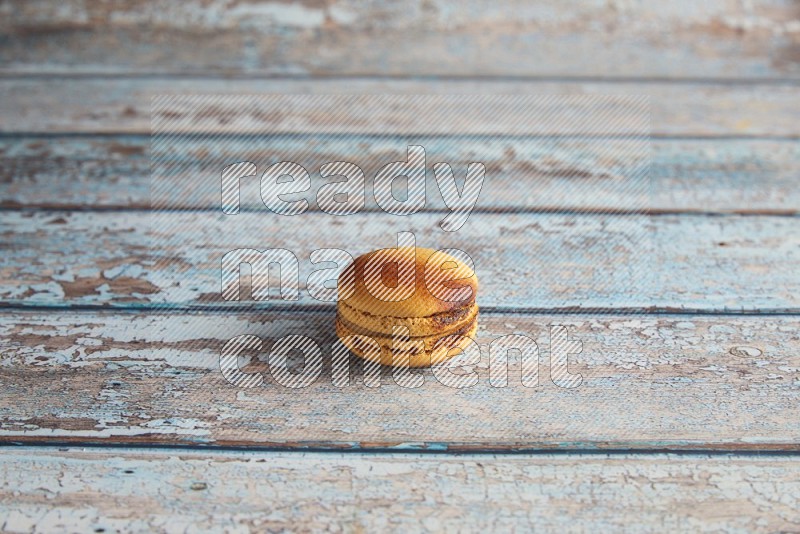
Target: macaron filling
(418, 326)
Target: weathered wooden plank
(708, 263)
(711, 39)
(123, 105)
(666, 383)
(86, 490)
(731, 176)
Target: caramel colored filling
(365, 332)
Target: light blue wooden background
(688, 418)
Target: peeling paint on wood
(680, 39)
(665, 382)
(741, 176)
(669, 382)
(135, 490)
(49, 105)
(523, 260)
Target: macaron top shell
(441, 283)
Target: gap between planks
(407, 450)
(73, 74)
(276, 306)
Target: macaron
(417, 304)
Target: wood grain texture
(722, 39)
(50, 105)
(50, 490)
(723, 78)
(708, 263)
(648, 383)
(735, 176)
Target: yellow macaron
(424, 296)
